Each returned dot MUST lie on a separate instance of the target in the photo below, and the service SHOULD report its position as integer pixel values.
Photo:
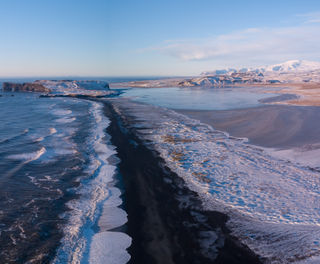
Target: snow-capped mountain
(294, 65)
(288, 66)
(293, 71)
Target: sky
(153, 38)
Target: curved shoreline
(272, 126)
(165, 219)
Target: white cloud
(310, 18)
(252, 46)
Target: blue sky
(152, 38)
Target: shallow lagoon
(197, 98)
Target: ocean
(56, 181)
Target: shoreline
(308, 93)
(264, 197)
(164, 227)
(287, 132)
(271, 126)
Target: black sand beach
(166, 219)
(275, 126)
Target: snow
(273, 204)
(288, 66)
(305, 157)
(293, 65)
(73, 87)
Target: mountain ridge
(284, 67)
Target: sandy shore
(308, 93)
(166, 219)
(274, 126)
(286, 131)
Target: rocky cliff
(72, 88)
(24, 87)
(224, 79)
(235, 78)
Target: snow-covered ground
(273, 204)
(68, 87)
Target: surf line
(89, 235)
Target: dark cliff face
(24, 87)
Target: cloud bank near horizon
(253, 45)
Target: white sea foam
(113, 216)
(65, 120)
(28, 157)
(274, 206)
(305, 156)
(109, 247)
(48, 178)
(65, 151)
(98, 204)
(52, 130)
(39, 137)
(62, 112)
(66, 132)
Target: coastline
(308, 93)
(288, 132)
(272, 126)
(90, 218)
(165, 218)
(204, 158)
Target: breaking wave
(28, 157)
(97, 192)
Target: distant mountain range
(294, 71)
(285, 67)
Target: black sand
(165, 217)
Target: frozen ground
(273, 204)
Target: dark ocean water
(43, 153)
(50, 157)
(55, 180)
